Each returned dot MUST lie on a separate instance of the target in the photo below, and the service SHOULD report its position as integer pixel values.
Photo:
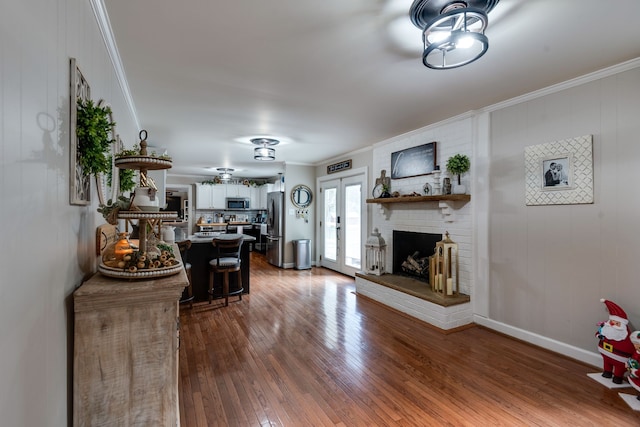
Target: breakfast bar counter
(202, 252)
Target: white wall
(359, 159)
(296, 228)
(550, 265)
(48, 244)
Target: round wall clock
(377, 191)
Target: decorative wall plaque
(414, 161)
(340, 166)
(79, 183)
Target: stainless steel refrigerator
(275, 228)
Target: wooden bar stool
(184, 247)
(226, 260)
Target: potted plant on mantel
(457, 165)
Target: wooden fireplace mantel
(415, 199)
(446, 203)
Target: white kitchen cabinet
(232, 190)
(204, 196)
(211, 196)
(238, 190)
(260, 197)
(255, 197)
(218, 196)
(244, 191)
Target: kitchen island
(202, 252)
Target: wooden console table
(125, 361)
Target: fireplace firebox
(411, 252)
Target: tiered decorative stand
(143, 163)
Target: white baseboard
(590, 358)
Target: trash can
(302, 254)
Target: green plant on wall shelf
(110, 210)
(458, 164)
(94, 129)
(126, 152)
(126, 179)
(135, 151)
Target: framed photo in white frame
(559, 172)
(556, 173)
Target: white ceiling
(330, 77)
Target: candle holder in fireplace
(376, 250)
(444, 268)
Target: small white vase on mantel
(458, 189)
(435, 190)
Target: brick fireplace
(411, 295)
(407, 288)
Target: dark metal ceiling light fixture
(225, 173)
(453, 31)
(264, 153)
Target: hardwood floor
(303, 350)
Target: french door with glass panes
(343, 222)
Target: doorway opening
(343, 220)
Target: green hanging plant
(458, 164)
(94, 128)
(126, 179)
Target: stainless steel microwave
(237, 203)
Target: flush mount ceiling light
(225, 173)
(453, 31)
(264, 153)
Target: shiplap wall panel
(548, 279)
(50, 244)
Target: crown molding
(587, 78)
(104, 25)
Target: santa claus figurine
(633, 364)
(615, 344)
